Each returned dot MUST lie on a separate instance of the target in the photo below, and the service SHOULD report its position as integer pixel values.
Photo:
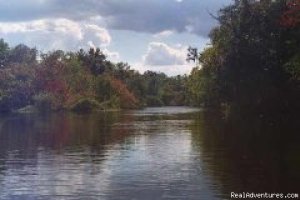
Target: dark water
(157, 153)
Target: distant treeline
(252, 65)
(253, 61)
(80, 81)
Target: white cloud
(97, 35)
(161, 57)
(112, 55)
(50, 34)
(174, 70)
(159, 54)
(165, 33)
(46, 26)
(170, 70)
(178, 15)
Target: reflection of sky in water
(154, 160)
(171, 110)
(133, 155)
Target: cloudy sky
(148, 34)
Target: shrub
(45, 102)
(86, 105)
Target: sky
(147, 34)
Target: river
(155, 153)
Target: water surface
(155, 153)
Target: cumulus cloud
(112, 55)
(152, 16)
(74, 24)
(160, 54)
(164, 58)
(49, 34)
(97, 35)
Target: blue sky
(148, 34)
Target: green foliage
(23, 54)
(79, 81)
(16, 84)
(45, 102)
(86, 105)
(104, 90)
(4, 51)
(94, 60)
(154, 101)
(113, 103)
(253, 61)
(293, 67)
(174, 91)
(203, 82)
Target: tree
(252, 59)
(23, 54)
(4, 51)
(94, 60)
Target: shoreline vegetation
(79, 81)
(251, 66)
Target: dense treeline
(253, 62)
(79, 81)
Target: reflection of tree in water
(27, 135)
(249, 155)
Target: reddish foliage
(127, 98)
(18, 78)
(50, 80)
(291, 17)
(56, 87)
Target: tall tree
(252, 58)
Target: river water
(155, 153)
